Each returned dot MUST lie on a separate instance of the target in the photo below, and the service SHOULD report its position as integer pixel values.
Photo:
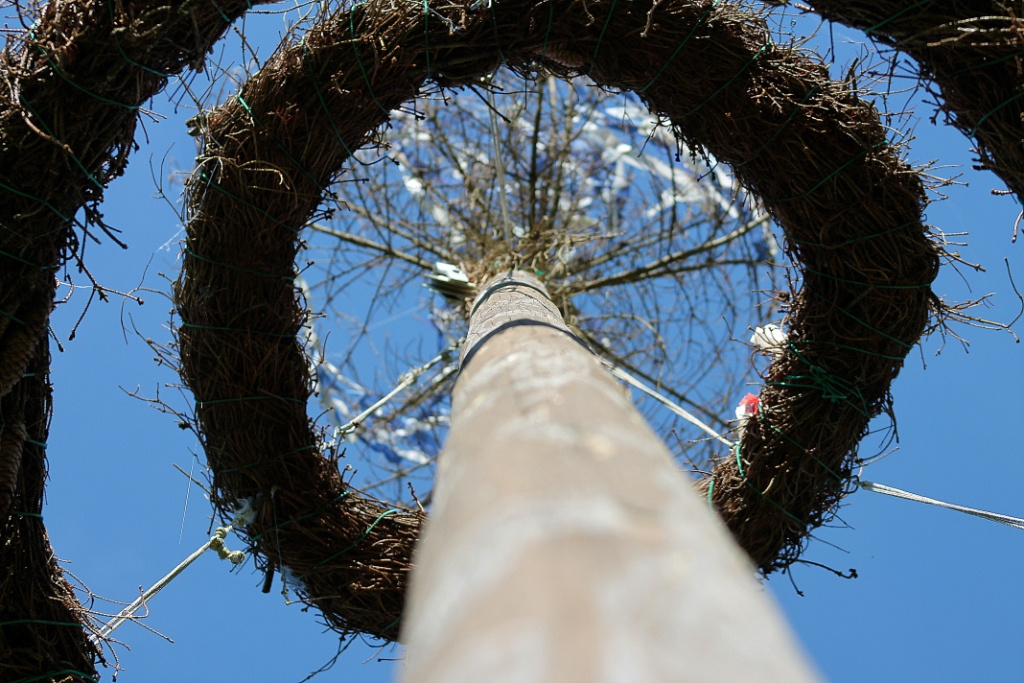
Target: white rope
(681, 412)
(405, 380)
(1015, 522)
(243, 516)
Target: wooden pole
(564, 545)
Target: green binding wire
(815, 88)
(43, 622)
(547, 31)
(739, 462)
(359, 59)
(993, 111)
(250, 465)
(873, 329)
(52, 675)
(686, 40)
(37, 515)
(26, 262)
(41, 444)
(113, 34)
(277, 141)
(239, 399)
(903, 11)
(764, 420)
(426, 35)
(57, 70)
(781, 509)
(219, 328)
(344, 494)
(600, 37)
(863, 284)
(323, 103)
(215, 185)
(224, 16)
(13, 317)
(855, 240)
(359, 540)
(730, 81)
(393, 623)
(247, 108)
(980, 65)
(832, 387)
(232, 266)
(45, 203)
(749, 485)
(74, 158)
(856, 157)
(848, 347)
(494, 23)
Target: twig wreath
(815, 154)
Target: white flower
(770, 339)
(243, 514)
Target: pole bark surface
(564, 545)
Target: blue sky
(938, 598)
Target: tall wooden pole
(564, 545)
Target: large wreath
(816, 156)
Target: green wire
(864, 284)
(216, 401)
(45, 203)
(113, 34)
(873, 329)
(101, 98)
(232, 266)
(354, 543)
(600, 37)
(12, 317)
(855, 240)
(993, 111)
(265, 460)
(686, 40)
(218, 328)
(730, 81)
(323, 102)
(426, 35)
(739, 462)
(316, 512)
(782, 127)
(862, 153)
(903, 11)
(51, 675)
(26, 262)
(359, 59)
